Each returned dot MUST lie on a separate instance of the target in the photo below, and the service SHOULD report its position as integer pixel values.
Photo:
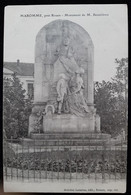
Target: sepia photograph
(65, 98)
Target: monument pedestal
(63, 48)
(68, 123)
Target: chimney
(18, 62)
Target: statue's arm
(58, 87)
(68, 90)
(77, 89)
(82, 86)
(65, 66)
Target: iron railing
(64, 159)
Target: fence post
(96, 161)
(58, 159)
(12, 158)
(115, 161)
(40, 164)
(109, 156)
(76, 161)
(22, 156)
(64, 160)
(5, 145)
(103, 162)
(89, 158)
(52, 163)
(17, 161)
(34, 159)
(83, 156)
(121, 157)
(46, 163)
(70, 158)
(28, 161)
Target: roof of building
(23, 69)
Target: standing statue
(77, 101)
(62, 91)
(66, 62)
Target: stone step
(37, 149)
(64, 142)
(66, 135)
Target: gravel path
(78, 186)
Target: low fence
(62, 161)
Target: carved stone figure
(65, 62)
(62, 90)
(63, 47)
(77, 101)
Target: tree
(111, 101)
(120, 82)
(106, 104)
(16, 109)
(121, 77)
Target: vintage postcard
(65, 98)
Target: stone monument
(63, 84)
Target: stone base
(66, 139)
(53, 122)
(68, 123)
(69, 135)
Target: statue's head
(80, 71)
(62, 76)
(66, 41)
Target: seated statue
(70, 94)
(77, 102)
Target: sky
(106, 25)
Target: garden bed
(70, 161)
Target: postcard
(65, 98)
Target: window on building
(31, 90)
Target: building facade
(25, 73)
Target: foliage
(121, 77)
(111, 100)
(120, 82)
(16, 109)
(112, 120)
(79, 163)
